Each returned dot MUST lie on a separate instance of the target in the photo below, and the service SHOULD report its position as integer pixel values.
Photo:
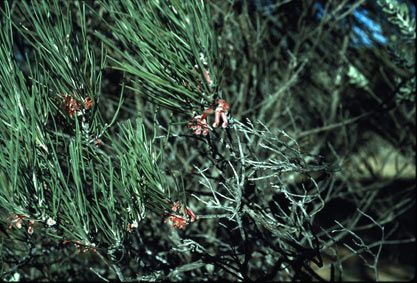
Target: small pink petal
(197, 132)
(217, 118)
(175, 207)
(207, 77)
(190, 214)
(223, 104)
(225, 122)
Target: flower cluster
(72, 106)
(180, 221)
(17, 221)
(199, 121)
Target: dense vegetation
(111, 167)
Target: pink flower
(199, 121)
(17, 220)
(207, 77)
(176, 205)
(18, 225)
(88, 102)
(179, 221)
(190, 214)
(70, 104)
(221, 110)
(30, 228)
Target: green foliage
(52, 168)
(311, 173)
(173, 45)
